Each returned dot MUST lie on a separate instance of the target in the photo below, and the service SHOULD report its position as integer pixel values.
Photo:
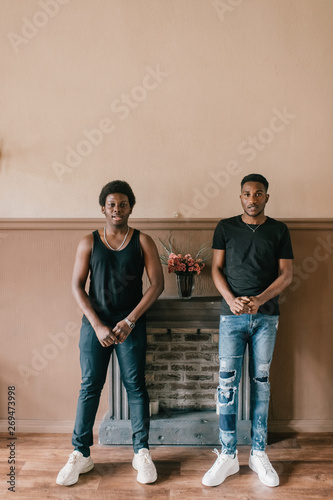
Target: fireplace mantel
(197, 312)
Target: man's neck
(260, 219)
(115, 229)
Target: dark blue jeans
(94, 360)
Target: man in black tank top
(114, 259)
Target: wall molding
(147, 224)
(282, 426)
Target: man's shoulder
(229, 221)
(276, 223)
(144, 238)
(87, 241)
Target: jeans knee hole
(262, 380)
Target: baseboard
(42, 426)
(300, 426)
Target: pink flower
(184, 264)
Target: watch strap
(130, 323)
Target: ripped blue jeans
(259, 332)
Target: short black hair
(255, 178)
(117, 187)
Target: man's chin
(254, 213)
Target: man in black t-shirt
(252, 265)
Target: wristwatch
(130, 323)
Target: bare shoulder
(148, 246)
(86, 243)
(146, 241)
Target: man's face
(253, 198)
(117, 209)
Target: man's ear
(267, 197)
(103, 210)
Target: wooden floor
(304, 463)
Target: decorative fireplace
(182, 374)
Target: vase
(185, 285)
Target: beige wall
(226, 70)
(188, 97)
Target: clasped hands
(108, 336)
(245, 305)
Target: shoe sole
(252, 467)
(88, 469)
(147, 482)
(231, 472)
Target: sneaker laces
(145, 459)
(264, 460)
(73, 458)
(221, 459)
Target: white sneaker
(76, 465)
(143, 463)
(224, 466)
(259, 463)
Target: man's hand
(105, 335)
(240, 306)
(253, 304)
(122, 331)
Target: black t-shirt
(251, 258)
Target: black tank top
(115, 279)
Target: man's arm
(238, 305)
(79, 279)
(156, 279)
(283, 280)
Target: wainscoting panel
(40, 321)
